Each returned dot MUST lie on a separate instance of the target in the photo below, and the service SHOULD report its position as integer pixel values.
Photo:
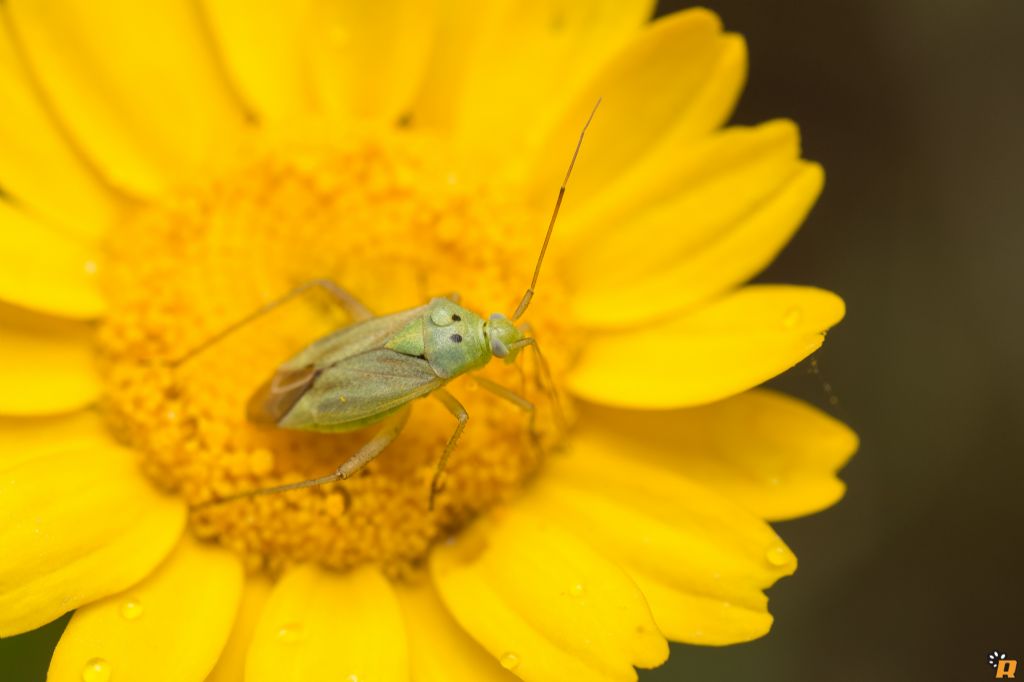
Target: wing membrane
(277, 396)
(361, 390)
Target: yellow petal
(80, 523)
(501, 70)
(542, 602)
(367, 58)
(713, 103)
(46, 366)
(671, 533)
(646, 89)
(697, 619)
(262, 44)
(22, 438)
(722, 349)
(773, 454)
(38, 165)
(672, 171)
(44, 270)
(231, 664)
(717, 215)
(440, 650)
(318, 625)
(169, 627)
(135, 83)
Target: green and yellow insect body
(367, 371)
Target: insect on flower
(369, 372)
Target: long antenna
(528, 296)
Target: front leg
(544, 380)
(517, 400)
(459, 412)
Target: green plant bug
(368, 372)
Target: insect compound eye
(498, 349)
(457, 338)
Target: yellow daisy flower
(169, 166)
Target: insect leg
(527, 329)
(459, 412)
(514, 398)
(348, 302)
(383, 438)
(549, 384)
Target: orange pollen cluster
(389, 219)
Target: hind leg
(383, 438)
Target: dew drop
(577, 590)
(96, 670)
(509, 660)
(779, 555)
(290, 633)
(792, 318)
(131, 609)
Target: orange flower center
(389, 218)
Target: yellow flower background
(169, 166)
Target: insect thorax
(452, 339)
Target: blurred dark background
(916, 109)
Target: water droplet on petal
(577, 590)
(131, 609)
(290, 633)
(96, 670)
(509, 660)
(792, 318)
(779, 555)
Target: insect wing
(361, 390)
(351, 340)
(278, 395)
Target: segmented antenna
(528, 296)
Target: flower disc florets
(390, 219)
